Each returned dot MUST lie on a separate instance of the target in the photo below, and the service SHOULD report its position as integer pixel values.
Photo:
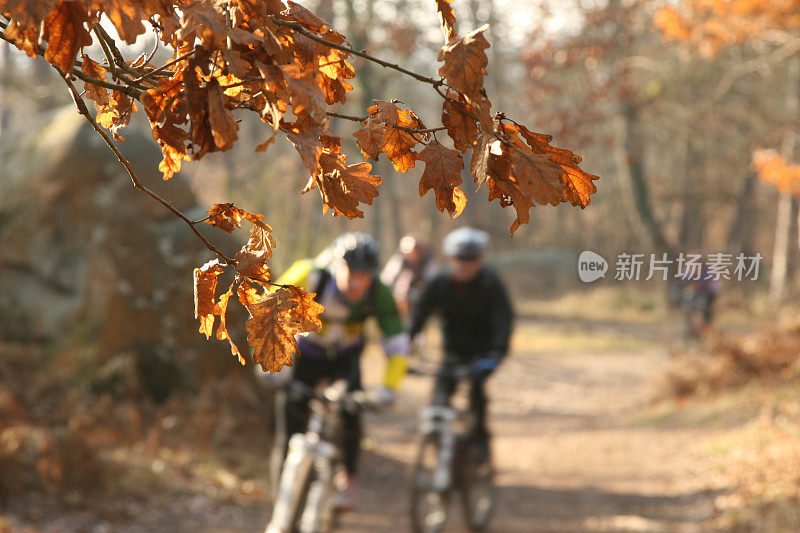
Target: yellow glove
(396, 368)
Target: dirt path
(576, 445)
(573, 445)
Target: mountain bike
(306, 493)
(449, 462)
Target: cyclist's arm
(424, 307)
(502, 317)
(395, 339)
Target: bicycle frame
(438, 420)
(315, 449)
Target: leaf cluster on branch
(279, 60)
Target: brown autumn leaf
(65, 32)
(117, 113)
(267, 332)
(225, 217)
(26, 38)
(370, 137)
(275, 319)
(442, 173)
(304, 89)
(343, 186)
(221, 310)
(460, 126)
(166, 108)
(93, 69)
(205, 293)
(465, 62)
(398, 143)
(578, 185)
(538, 177)
(479, 161)
(252, 259)
(447, 19)
(223, 125)
(26, 13)
(129, 17)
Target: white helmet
(465, 243)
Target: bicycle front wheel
(477, 495)
(428, 504)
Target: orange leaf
(251, 260)
(465, 62)
(578, 185)
(205, 292)
(221, 309)
(344, 186)
(460, 126)
(97, 71)
(275, 319)
(370, 138)
(223, 125)
(397, 143)
(447, 19)
(65, 33)
(128, 17)
(443, 168)
(117, 114)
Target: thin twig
(164, 66)
(83, 110)
(396, 126)
(314, 37)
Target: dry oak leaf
(117, 114)
(165, 107)
(304, 89)
(443, 168)
(221, 310)
(447, 19)
(65, 33)
(252, 259)
(578, 185)
(27, 14)
(275, 319)
(95, 70)
(343, 186)
(398, 143)
(223, 125)
(26, 38)
(128, 17)
(479, 163)
(465, 62)
(370, 138)
(205, 293)
(460, 126)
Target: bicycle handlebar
(336, 393)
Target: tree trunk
(634, 154)
(783, 222)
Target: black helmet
(358, 250)
(465, 243)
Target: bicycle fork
(436, 420)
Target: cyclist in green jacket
(351, 292)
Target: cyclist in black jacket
(476, 316)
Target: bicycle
(448, 460)
(305, 498)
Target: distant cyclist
(407, 271)
(349, 289)
(476, 320)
